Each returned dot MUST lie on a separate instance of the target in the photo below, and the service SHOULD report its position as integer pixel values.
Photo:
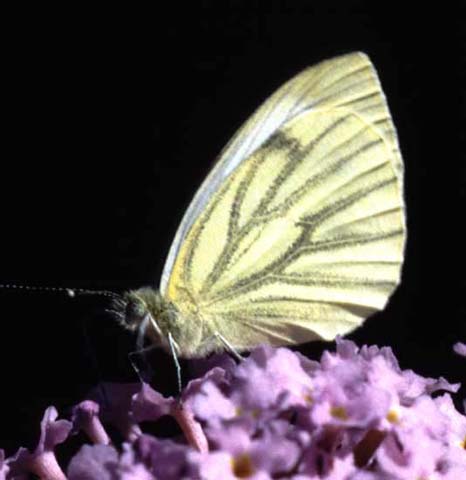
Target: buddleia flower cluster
(354, 415)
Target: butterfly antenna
(71, 292)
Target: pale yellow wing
(336, 81)
(305, 238)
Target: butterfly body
(146, 308)
(298, 232)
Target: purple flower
(147, 404)
(163, 458)
(454, 424)
(86, 417)
(115, 406)
(42, 462)
(192, 429)
(262, 386)
(270, 377)
(421, 439)
(460, 348)
(150, 405)
(93, 462)
(206, 397)
(131, 466)
(245, 456)
(4, 468)
(103, 462)
(355, 415)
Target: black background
(111, 121)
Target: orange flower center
(339, 412)
(241, 466)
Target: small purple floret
(460, 348)
(4, 468)
(42, 462)
(86, 417)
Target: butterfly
(298, 231)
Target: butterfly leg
(144, 377)
(173, 348)
(229, 346)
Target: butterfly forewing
(304, 238)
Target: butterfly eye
(135, 313)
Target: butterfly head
(134, 312)
(130, 311)
(148, 314)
